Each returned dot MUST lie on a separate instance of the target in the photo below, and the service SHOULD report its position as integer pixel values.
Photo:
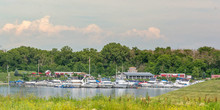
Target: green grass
(99, 102)
(208, 90)
(3, 75)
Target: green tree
(196, 72)
(115, 52)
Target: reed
(101, 102)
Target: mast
(89, 66)
(122, 68)
(116, 72)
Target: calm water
(82, 92)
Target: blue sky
(146, 24)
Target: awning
(182, 75)
(163, 75)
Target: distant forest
(200, 62)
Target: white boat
(105, 83)
(182, 83)
(50, 84)
(29, 83)
(161, 84)
(131, 83)
(56, 83)
(120, 83)
(153, 82)
(145, 84)
(74, 83)
(89, 83)
(41, 83)
(168, 84)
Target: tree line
(201, 62)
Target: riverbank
(99, 103)
(208, 90)
(192, 97)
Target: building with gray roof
(137, 75)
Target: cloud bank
(41, 30)
(43, 25)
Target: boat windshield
(107, 82)
(106, 79)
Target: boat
(145, 84)
(181, 82)
(105, 83)
(152, 82)
(74, 83)
(168, 84)
(41, 83)
(161, 84)
(89, 83)
(29, 83)
(120, 83)
(56, 83)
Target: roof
(138, 74)
(172, 73)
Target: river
(82, 92)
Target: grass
(208, 89)
(201, 96)
(99, 102)
(3, 75)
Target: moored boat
(120, 83)
(89, 83)
(105, 83)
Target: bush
(16, 73)
(25, 77)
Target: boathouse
(137, 75)
(134, 74)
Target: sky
(146, 24)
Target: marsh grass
(100, 102)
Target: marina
(106, 83)
(79, 93)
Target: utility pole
(8, 74)
(38, 67)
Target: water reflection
(81, 92)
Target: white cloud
(35, 33)
(151, 33)
(26, 27)
(92, 28)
